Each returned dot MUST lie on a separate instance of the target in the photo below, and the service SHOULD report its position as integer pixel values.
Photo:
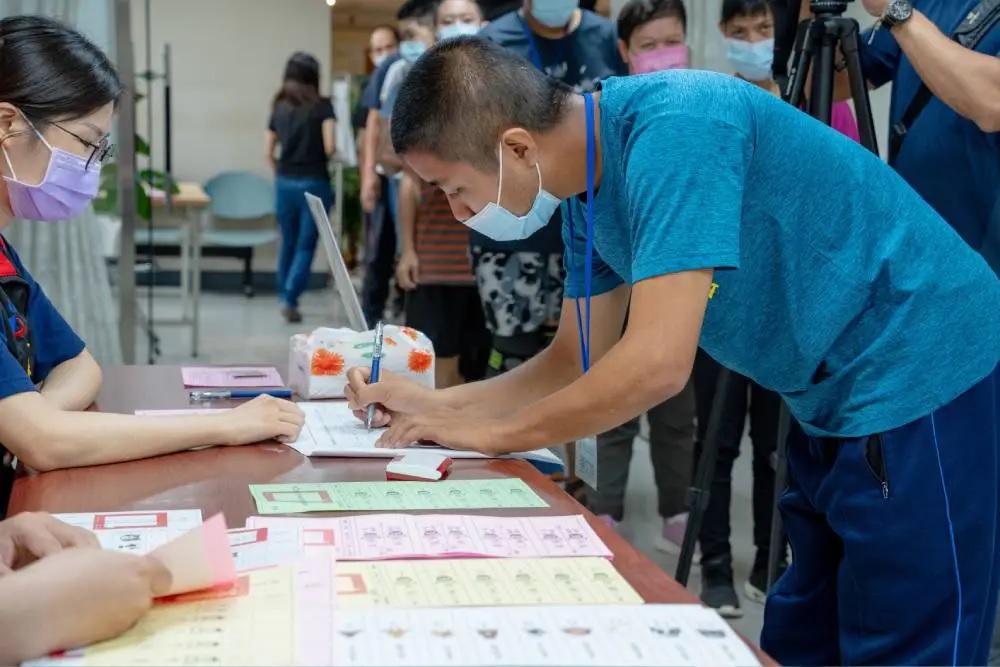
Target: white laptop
(341, 278)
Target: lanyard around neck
(583, 321)
(535, 54)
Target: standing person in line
(378, 191)
(692, 192)
(434, 268)
(652, 36)
(300, 143)
(748, 28)
(521, 280)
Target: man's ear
(520, 141)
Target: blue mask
(554, 13)
(499, 224)
(459, 29)
(411, 50)
(751, 60)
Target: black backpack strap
(976, 25)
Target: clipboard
(341, 278)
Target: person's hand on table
(392, 394)
(30, 536)
(449, 428)
(264, 418)
(81, 596)
(407, 270)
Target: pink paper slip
(231, 376)
(406, 536)
(199, 559)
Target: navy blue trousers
(894, 542)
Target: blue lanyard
(535, 54)
(588, 270)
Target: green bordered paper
(478, 494)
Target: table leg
(186, 236)
(196, 279)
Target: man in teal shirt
(722, 217)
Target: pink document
(199, 559)
(226, 377)
(405, 536)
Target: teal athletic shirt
(836, 285)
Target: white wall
(227, 61)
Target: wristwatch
(898, 12)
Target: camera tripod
(817, 41)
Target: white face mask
(459, 29)
(751, 60)
(499, 224)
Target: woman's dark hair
(637, 13)
(51, 72)
(733, 8)
(300, 85)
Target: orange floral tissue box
(318, 362)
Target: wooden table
(216, 480)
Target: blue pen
(223, 394)
(376, 362)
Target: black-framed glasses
(99, 152)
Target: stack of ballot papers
(276, 592)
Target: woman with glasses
(58, 94)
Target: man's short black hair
(421, 11)
(464, 93)
(733, 8)
(637, 13)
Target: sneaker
(755, 588)
(671, 536)
(609, 521)
(291, 314)
(717, 590)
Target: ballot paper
(331, 429)
(199, 559)
(268, 546)
(231, 377)
(276, 616)
(499, 493)
(405, 536)
(135, 532)
(481, 582)
(633, 636)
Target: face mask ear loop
(500, 186)
(538, 168)
(6, 157)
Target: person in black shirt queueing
(301, 132)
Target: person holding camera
(941, 58)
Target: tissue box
(318, 362)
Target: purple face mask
(65, 191)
